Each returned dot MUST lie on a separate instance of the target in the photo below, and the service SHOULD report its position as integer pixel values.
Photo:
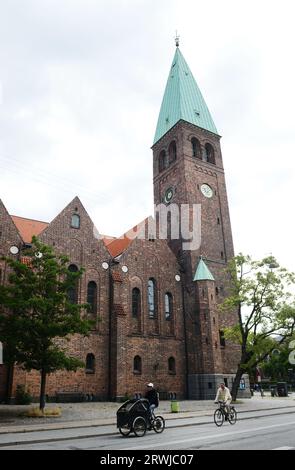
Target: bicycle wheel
(232, 417)
(218, 417)
(125, 430)
(139, 426)
(159, 424)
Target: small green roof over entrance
(203, 273)
(182, 100)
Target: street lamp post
(14, 250)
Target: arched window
(75, 221)
(221, 338)
(168, 306)
(171, 365)
(196, 148)
(162, 161)
(90, 364)
(172, 152)
(152, 298)
(209, 154)
(92, 296)
(137, 365)
(73, 290)
(136, 302)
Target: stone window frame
(77, 224)
(168, 302)
(136, 290)
(222, 339)
(171, 365)
(209, 157)
(172, 152)
(90, 364)
(152, 298)
(196, 148)
(94, 304)
(73, 292)
(163, 160)
(137, 365)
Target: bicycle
(133, 416)
(221, 414)
(157, 423)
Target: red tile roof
(119, 245)
(28, 227)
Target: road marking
(213, 436)
(284, 448)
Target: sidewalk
(87, 415)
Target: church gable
(73, 232)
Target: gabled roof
(182, 100)
(203, 273)
(28, 227)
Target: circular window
(14, 250)
(169, 195)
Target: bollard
(174, 406)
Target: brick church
(155, 302)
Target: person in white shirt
(223, 394)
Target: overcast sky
(81, 84)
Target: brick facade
(180, 352)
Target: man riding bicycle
(152, 397)
(223, 394)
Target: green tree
(37, 316)
(258, 293)
(277, 366)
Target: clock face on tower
(206, 190)
(168, 195)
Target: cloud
(82, 83)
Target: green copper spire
(182, 100)
(203, 273)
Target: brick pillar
(209, 328)
(118, 346)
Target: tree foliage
(37, 317)
(258, 293)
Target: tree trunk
(9, 382)
(42, 390)
(236, 383)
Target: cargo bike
(134, 416)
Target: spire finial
(177, 39)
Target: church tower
(188, 170)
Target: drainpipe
(185, 334)
(110, 329)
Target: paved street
(263, 429)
